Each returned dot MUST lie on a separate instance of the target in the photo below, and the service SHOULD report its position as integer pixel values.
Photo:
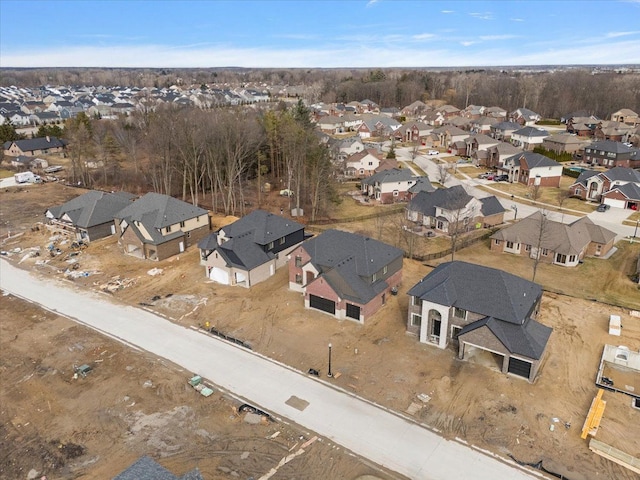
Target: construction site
(129, 404)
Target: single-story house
(344, 274)
(453, 210)
(484, 312)
(89, 216)
(34, 146)
(27, 162)
(158, 226)
(554, 242)
(251, 249)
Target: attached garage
(323, 304)
(219, 275)
(353, 311)
(519, 367)
(614, 202)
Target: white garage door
(219, 275)
(614, 202)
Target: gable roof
(248, 237)
(479, 289)
(528, 340)
(629, 190)
(533, 160)
(452, 198)
(531, 132)
(506, 126)
(622, 174)
(389, 176)
(611, 146)
(423, 184)
(348, 260)
(159, 211)
(491, 206)
(40, 143)
(584, 176)
(92, 208)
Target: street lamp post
(515, 209)
(329, 374)
(635, 233)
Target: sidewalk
(384, 437)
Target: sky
(318, 33)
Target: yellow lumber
(592, 422)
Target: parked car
(603, 207)
(433, 152)
(501, 178)
(286, 193)
(485, 175)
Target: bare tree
(415, 149)
(461, 212)
(561, 197)
(542, 232)
(535, 191)
(444, 173)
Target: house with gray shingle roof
(595, 186)
(389, 186)
(527, 138)
(483, 311)
(554, 242)
(89, 216)
(34, 146)
(609, 154)
(531, 169)
(158, 226)
(251, 249)
(346, 275)
(453, 210)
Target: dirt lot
(377, 360)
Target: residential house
(251, 249)
(533, 169)
(415, 109)
(473, 112)
(482, 125)
(627, 116)
(484, 312)
(362, 164)
(448, 111)
(44, 118)
(26, 162)
(583, 126)
(447, 135)
(496, 155)
(528, 138)
(607, 153)
(331, 124)
(591, 184)
(615, 131)
(453, 210)
(389, 186)
(377, 126)
(344, 147)
(537, 236)
(423, 184)
(413, 132)
(157, 226)
(346, 275)
(89, 216)
(477, 143)
(564, 143)
(34, 146)
(496, 112)
(524, 116)
(503, 130)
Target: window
(560, 258)
(497, 242)
(181, 224)
(545, 251)
(415, 300)
(459, 312)
(299, 278)
(527, 248)
(370, 163)
(572, 258)
(169, 229)
(281, 241)
(578, 191)
(509, 244)
(384, 270)
(416, 320)
(374, 277)
(270, 246)
(189, 234)
(455, 331)
(298, 261)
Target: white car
(433, 152)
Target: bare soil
(466, 399)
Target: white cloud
(482, 16)
(423, 36)
(496, 37)
(371, 3)
(621, 34)
(517, 19)
(468, 43)
(447, 11)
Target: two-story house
(362, 164)
(617, 187)
(251, 249)
(484, 312)
(527, 138)
(346, 275)
(389, 186)
(531, 169)
(607, 153)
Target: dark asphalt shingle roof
(159, 211)
(629, 190)
(584, 176)
(452, 198)
(423, 184)
(610, 146)
(92, 208)
(623, 174)
(346, 259)
(534, 160)
(40, 143)
(389, 176)
(491, 206)
(479, 289)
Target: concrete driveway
(371, 431)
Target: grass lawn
(5, 173)
(632, 219)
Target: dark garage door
(323, 304)
(353, 311)
(519, 367)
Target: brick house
(389, 186)
(564, 143)
(34, 146)
(608, 154)
(592, 185)
(346, 275)
(483, 312)
(531, 169)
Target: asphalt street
(366, 429)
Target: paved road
(366, 429)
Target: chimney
(48, 139)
